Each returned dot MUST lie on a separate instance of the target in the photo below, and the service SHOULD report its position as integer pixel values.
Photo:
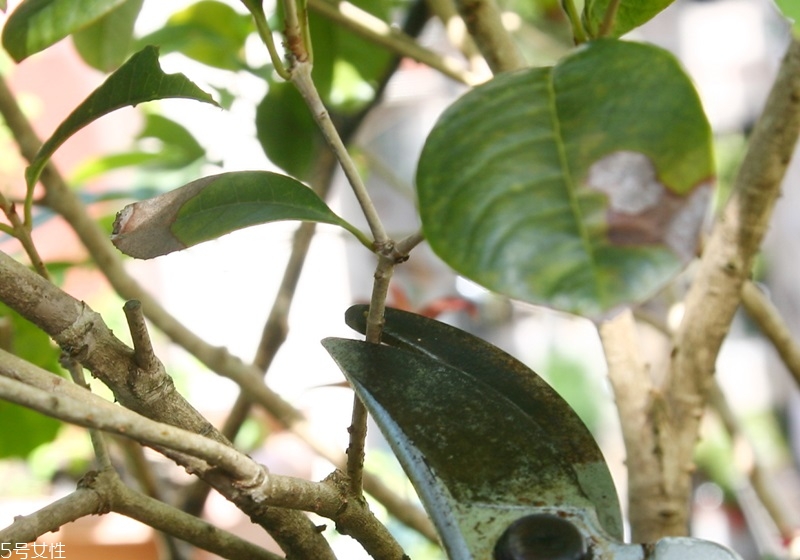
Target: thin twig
(102, 492)
(777, 508)
(485, 23)
(381, 33)
(301, 78)
(94, 412)
(98, 444)
(769, 320)
(22, 232)
(609, 18)
(456, 30)
(171, 521)
(27, 528)
(405, 245)
(265, 34)
(578, 32)
(142, 347)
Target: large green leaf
(213, 206)
(107, 42)
(630, 14)
(37, 24)
(207, 31)
(30, 428)
(282, 110)
(484, 439)
(139, 80)
(582, 186)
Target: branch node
(77, 339)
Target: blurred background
(223, 289)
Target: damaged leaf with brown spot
(582, 186)
(214, 206)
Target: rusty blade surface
(483, 438)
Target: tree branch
(101, 492)
(84, 336)
(381, 33)
(27, 528)
(769, 320)
(485, 23)
(712, 300)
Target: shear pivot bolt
(541, 537)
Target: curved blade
(481, 435)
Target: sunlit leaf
(213, 206)
(582, 186)
(139, 80)
(464, 416)
(208, 31)
(106, 43)
(37, 24)
(629, 15)
(30, 428)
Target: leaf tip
(137, 234)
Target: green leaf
(208, 31)
(582, 186)
(139, 80)
(107, 42)
(791, 9)
(31, 429)
(176, 148)
(287, 131)
(213, 206)
(37, 24)
(464, 416)
(630, 14)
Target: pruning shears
(503, 465)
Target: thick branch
(101, 492)
(715, 292)
(84, 336)
(27, 528)
(485, 23)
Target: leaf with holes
(139, 80)
(582, 186)
(213, 206)
(629, 15)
